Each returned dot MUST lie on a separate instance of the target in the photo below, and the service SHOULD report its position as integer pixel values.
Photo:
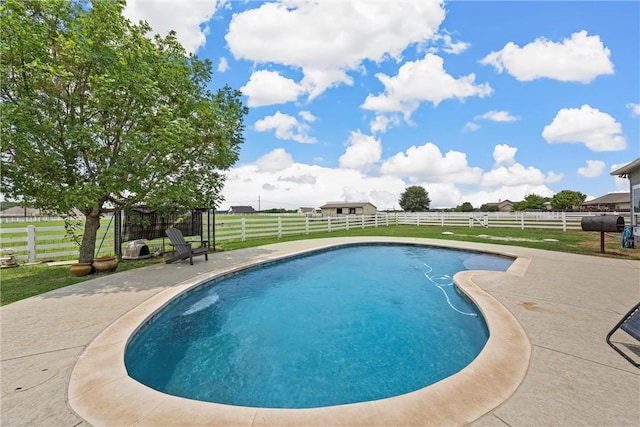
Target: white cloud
(594, 168)
(635, 109)
(300, 179)
(185, 17)
(515, 174)
(589, 126)
(382, 122)
(286, 127)
(327, 39)
(507, 172)
(269, 87)
(504, 154)
(426, 163)
(470, 127)
(581, 58)
(362, 152)
(274, 161)
(553, 177)
(223, 65)
(307, 116)
(454, 48)
(497, 116)
(405, 91)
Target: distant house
(632, 172)
(503, 206)
(18, 211)
(240, 210)
(348, 208)
(308, 211)
(617, 202)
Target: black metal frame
(635, 311)
(160, 222)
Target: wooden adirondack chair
(183, 248)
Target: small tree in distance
(465, 207)
(530, 202)
(415, 199)
(567, 199)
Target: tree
(415, 199)
(530, 202)
(486, 207)
(567, 199)
(95, 114)
(465, 207)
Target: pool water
(340, 326)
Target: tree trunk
(89, 237)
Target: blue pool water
(347, 325)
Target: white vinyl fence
(33, 243)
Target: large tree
(415, 199)
(567, 199)
(96, 114)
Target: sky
(475, 101)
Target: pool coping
(102, 393)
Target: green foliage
(489, 208)
(567, 199)
(415, 199)
(465, 207)
(530, 202)
(96, 113)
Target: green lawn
(26, 281)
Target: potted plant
(80, 269)
(105, 264)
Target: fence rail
(33, 243)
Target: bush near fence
(34, 243)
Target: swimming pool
(102, 392)
(352, 324)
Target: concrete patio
(566, 304)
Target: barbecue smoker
(603, 224)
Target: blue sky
(475, 101)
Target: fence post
(279, 227)
(470, 221)
(347, 223)
(486, 220)
(564, 221)
(328, 224)
(31, 243)
(376, 221)
(442, 219)
(522, 220)
(306, 225)
(418, 219)
(243, 230)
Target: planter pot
(81, 269)
(105, 264)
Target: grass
(26, 281)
